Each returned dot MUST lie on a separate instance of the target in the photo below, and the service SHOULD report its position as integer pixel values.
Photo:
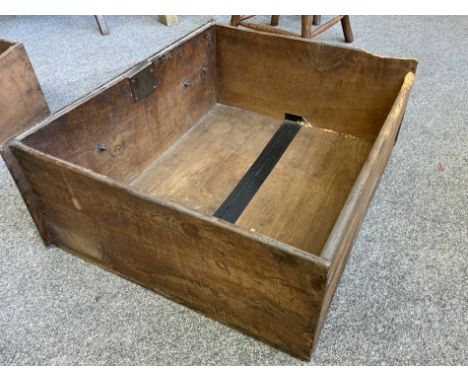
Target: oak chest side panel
(263, 289)
(118, 136)
(340, 242)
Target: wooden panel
(302, 197)
(136, 133)
(201, 170)
(338, 89)
(29, 198)
(341, 239)
(21, 100)
(22, 104)
(265, 289)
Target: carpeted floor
(403, 298)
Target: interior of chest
(264, 132)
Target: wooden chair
(306, 26)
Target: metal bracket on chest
(143, 83)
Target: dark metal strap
(245, 190)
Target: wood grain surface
(205, 165)
(22, 102)
(263, 289)
(22, 105)
(336, 88)
(302, 197)
(341, 239)
(134, 134)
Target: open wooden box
(183, 174)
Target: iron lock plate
(143, 83)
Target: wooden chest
(229, 172)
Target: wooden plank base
(205, 165)
(300, 199)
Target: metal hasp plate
(143, 83)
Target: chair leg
(274, 20)
(306, 29)
(101, 22)
(168, 20)
(316, 20)
(347, 31)
(235, 20)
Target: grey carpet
(403, 298)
